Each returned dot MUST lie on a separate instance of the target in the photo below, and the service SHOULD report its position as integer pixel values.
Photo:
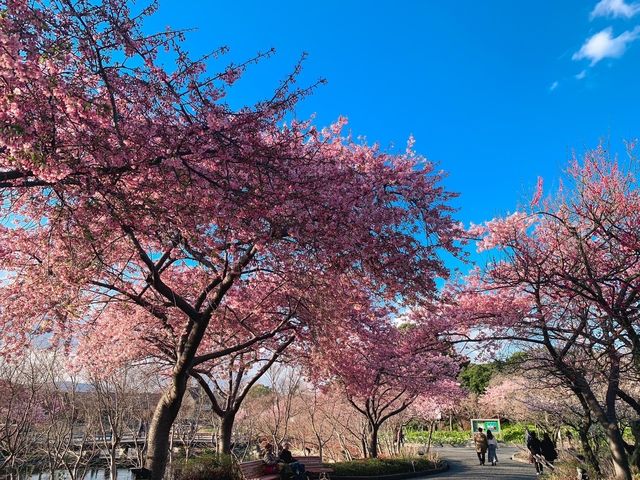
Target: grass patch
(567, 471)
(209, 466)
(455, 438)
(370, 467)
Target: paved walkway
(464, 465)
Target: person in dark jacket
(480, 442)
(549, 451)
(535, 449)
(285, 454)
(296, 468)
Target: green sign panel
(492, 424)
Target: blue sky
(497, 92)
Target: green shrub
(511, 433)
(209, 466)
(455, 438)
(514, 433)
(381, 466)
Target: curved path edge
(463, 464)
(397, 476)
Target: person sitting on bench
(296, 468)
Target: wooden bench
(255, 470)
(313, 466)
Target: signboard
(492, 424)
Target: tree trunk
(373, 440)
(226, 431)
(346, 454)
(605, 416)
(113, 463)
(169, 405)
(363, 443)
(618, 453)
(320, 444)
(161, 423)
(614, 438)
(589, 455)
(634, 457)
(187, 451)
(430, 437)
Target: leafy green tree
(475, 377)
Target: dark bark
(373, 440)
(583, 433)
(605, 416)
(613, 435)
(587, 450)
(431, 427)
(170, 402)
(363, 445)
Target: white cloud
(553, 86)
(604, 45)
(581, 75)
(615, 8)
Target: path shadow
(460, 470)
(464, 466)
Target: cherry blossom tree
(22, 388)
(383, 370)
(431, 407)
(228, 383)
(66, 436)
(535, 397)
(316, 428)
(336, 429)
(565, 283)
(136, 200)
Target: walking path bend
(464, 465)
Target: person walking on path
(549, 451)
(480, 440)
(492, 447)
(535, 452)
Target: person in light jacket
(492, 447)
